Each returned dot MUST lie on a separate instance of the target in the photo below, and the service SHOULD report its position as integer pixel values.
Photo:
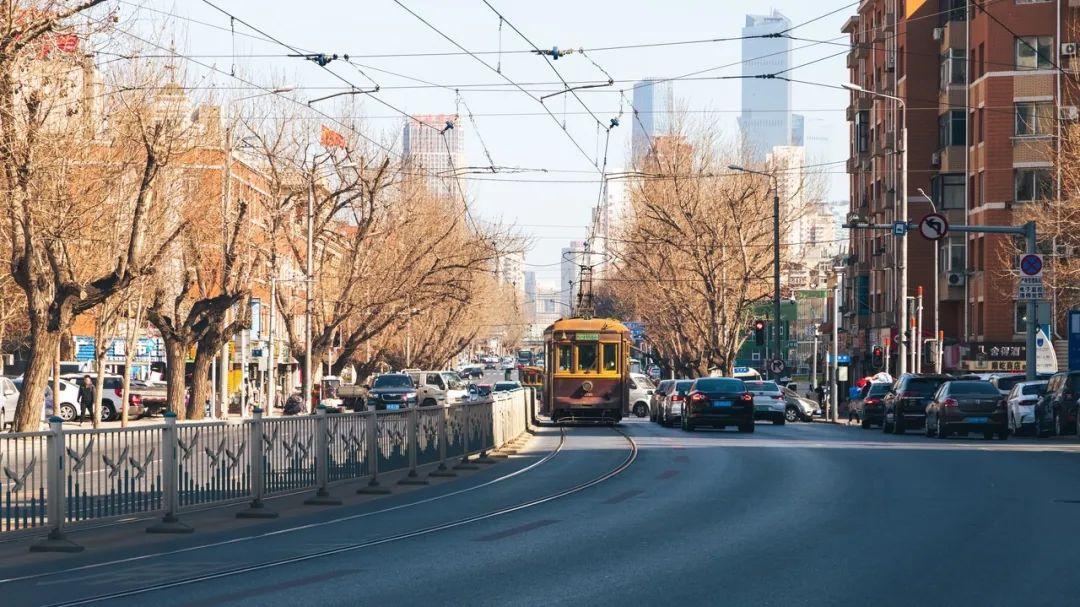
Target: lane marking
(666, 474)
(630, 458)
(622, 497)
(221, 599)
(516, 530)
(237, 540)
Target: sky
(551, 202)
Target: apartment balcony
(885, 31)
(885, 144)
(950, 159)
(853, 59)
(952, 35)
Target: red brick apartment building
(982, 85)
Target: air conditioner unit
(935, 159)
(956, 279)
(1068, 49)
(1062, 250)
(1068, 112)
(939, 34)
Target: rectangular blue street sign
(899, 228)
(843, 359)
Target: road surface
(800, 514)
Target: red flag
(330, 138)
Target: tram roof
(588, 324)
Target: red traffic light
(877, 351)
(759, 325)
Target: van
(438, 387)
(641, 390)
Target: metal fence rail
(22, 480)
(113, 472)
(57, 478)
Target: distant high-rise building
(798, 129)
(573, 257)
(765, 121)
(530, 295)
(435, 149)
(653, 104)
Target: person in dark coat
(86, 398)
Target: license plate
(976, 420)
(392, 407)
(719, 404)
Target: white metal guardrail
(56, 479)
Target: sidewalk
(121, 539)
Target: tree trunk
(43, 344)
(99, 383)
(175, 353)
(200, 382)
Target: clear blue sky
(553, 213)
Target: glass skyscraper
(654, 102)
(766, 120)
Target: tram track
(268, 565)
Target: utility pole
(919, 330)
(222, 408)
(308, 380)
(271, 352)
(813, 363)
(835, 391)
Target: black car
(869, 405)
(904, 406)
(964, 406)
(718, 402)
(392, 391)
(1056, 411)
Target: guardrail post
(170, 479)
(372, 435)
(257, 473)
(484, 458)
(532, 421)
(55, 499)
(444, 435)
(322, 496)
(412, 421)
(464, 464)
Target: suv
(869, 406)
(438, 387)
(641, 390)
(904, 405)
(111, 394)
(390, 392)
(1056, 410)
(769, 402)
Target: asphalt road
(794, 515)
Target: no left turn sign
(934, 226)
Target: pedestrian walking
(86, 398)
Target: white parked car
(9, 397)
(69, 399)
(641, 390)
(769, 401)
(438, 387)
(1020, 404)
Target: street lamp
(902, 215)
(937, 334)
(776, 254)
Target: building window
(952, 128)
(954, 257)
(952, 10)
(948, 189)
(953, 67)
(1034, 118)
(862, 131)
(1034, 52)
(1033, 184)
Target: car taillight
(871, 401)
(676, 397)
(698, 396)
(747, 397)
(778, 396)
(136, 399)
(118, 391)
(950, 402)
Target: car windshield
(643, 382)
(878, 389)
(683, 385)
(921, 386)
(1034, 389)
(453, 382)
(721, 384)
(1005, 384)
(762, 386)
(972, 388)
(392, 381)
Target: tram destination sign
(587, 336)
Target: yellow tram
(587, 365)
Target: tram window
(586, 358)
(564, 358)
(611, 362)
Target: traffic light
(879, 357)
(759, 332)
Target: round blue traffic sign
(1031, 264)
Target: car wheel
(1003, 434)
(778, 420)
(1057, 425)
(428, 402)
(107, 412)
(687, 426)
(941, 431)
(898, 425)
(747, 428)
(641, 410)
(67, 412)
(926, 428)
(791, 414)
(865, 424)
(886, 427)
